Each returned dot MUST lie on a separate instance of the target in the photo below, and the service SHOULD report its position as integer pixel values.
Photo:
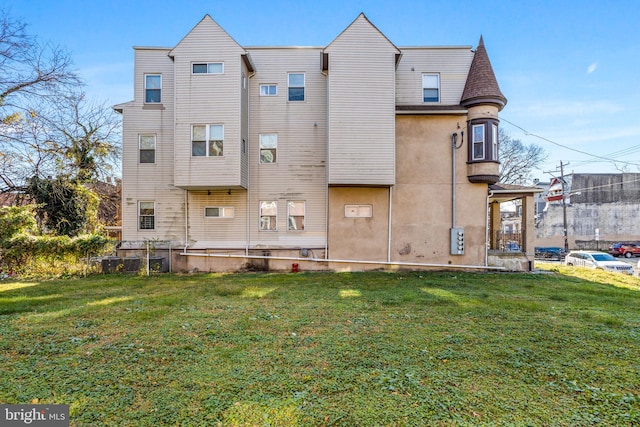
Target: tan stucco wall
(421, 202)
(363, 239)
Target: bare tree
(518, 160)
(47, 126)
(29, 70)
(70, 138)
(85, 137)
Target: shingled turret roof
(481, 86)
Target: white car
(597, 260)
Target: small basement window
(219, 212)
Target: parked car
(512, 247)
(626, 250)
(597, 260)
(553, 253)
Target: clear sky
(568, 68)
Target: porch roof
(500, 192)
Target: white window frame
(141, 149)
(358, 211)
(208, 141)
(292, 224)
(494, 142)
(264, 148)
(146, 215)
(427, 85)
(223, 212)
(146, 76)
(268, 87)
(478, 143)
(289, 86)
(210, 67)
(268, 222)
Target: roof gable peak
(362, 18)
(206, 20)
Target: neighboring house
(600, 209)
(356, 155)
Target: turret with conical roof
(481, 86)
(483, 99)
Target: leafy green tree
(64, 207)
(54, 143)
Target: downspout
(186, 220)
(246, 248)
(326, 171)
(454, 147)
(390, 219)
(247, 153)
(454, 138)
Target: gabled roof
(206, 20)
(362, 17)
(481, 86)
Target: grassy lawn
(347, 349)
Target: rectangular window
(268, 215)
(268, 147)
(430, 87)
(208, 68)
(494, 141)
(268, 90)
(478, 142)
(295, 215)
(358, 211)
(152, 88)
(147, 146)
(219, 212)
(296, 86)
(147, 215)
(207, 140)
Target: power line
(526, 132)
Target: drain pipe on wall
(390, 221)
(454, 147)
(349, 261)
(186, 220)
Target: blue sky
(568, 69)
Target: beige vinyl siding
(227, 233)
(299, 171)
(205, 99)
(450, 63)
(361, 93)
(151, 181)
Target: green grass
(321, 349)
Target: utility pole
(564, 207)
(564, 203)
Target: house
(598, 209)
(356, 155)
